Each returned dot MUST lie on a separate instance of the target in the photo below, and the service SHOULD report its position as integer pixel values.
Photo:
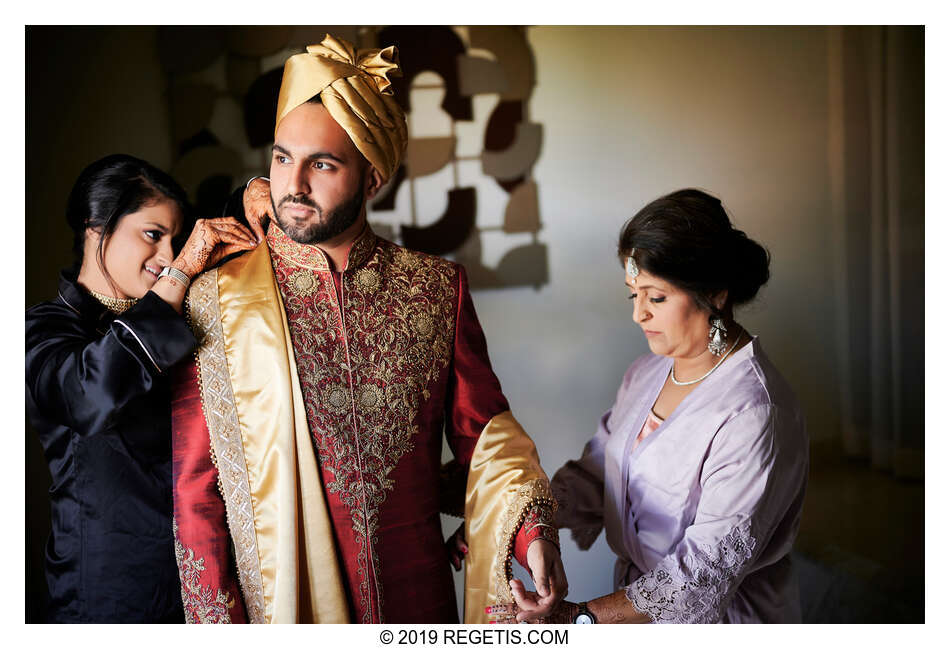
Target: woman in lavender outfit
(697, 473)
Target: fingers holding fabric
(210, 241)
(258, 206)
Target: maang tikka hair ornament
(717, 337)
(632, 269)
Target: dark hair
(686, 238)
(112, 187)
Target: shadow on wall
(488, 61)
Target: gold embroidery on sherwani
(375, 362)
(303, 282)
(217, 400)
(535, 492)
(198, 601)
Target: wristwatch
(584, 616)
(174, 273)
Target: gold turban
(355, 90)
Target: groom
(307, 434)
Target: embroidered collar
(115, 304)
(312, 257)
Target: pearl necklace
(725, 356)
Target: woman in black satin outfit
(98, 359)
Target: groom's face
(319, 180)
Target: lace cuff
(696, 588)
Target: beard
(320, 227)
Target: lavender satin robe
(703, 512)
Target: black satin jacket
(97, 392)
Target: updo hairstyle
(112, 187)
(686, 238)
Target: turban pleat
(355, 89)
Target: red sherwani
(388, 353)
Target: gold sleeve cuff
(505, 479)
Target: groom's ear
(373, 183)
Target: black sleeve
(84, 377)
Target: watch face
(583, 618)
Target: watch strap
(583, 610)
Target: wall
(90, 92)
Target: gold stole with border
(276, 509)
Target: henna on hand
(613, 608)
(210, 242)
(564, 613)
(258, 205)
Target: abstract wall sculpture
(466, 189)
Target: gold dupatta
(277, 513)
(255, 412)
(504, 480)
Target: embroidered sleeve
(538, 524)
(530, 498)
(696, 587)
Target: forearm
(615, 608)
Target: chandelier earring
(717, 337)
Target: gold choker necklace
(115, 304)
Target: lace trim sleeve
(697, 588)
